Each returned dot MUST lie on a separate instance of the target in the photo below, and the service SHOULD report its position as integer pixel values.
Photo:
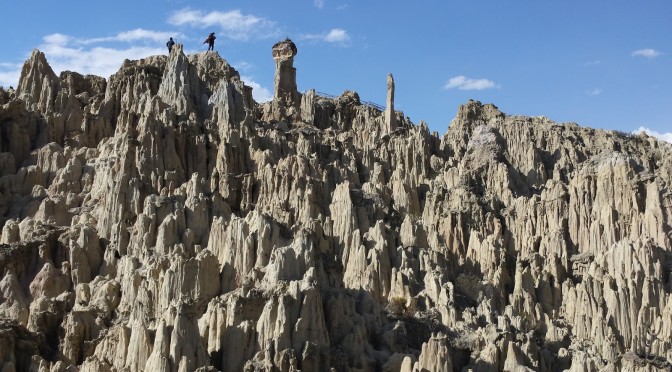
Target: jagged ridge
(163, 220)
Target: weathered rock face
(285, 73)
(390, 113)
(164, 221)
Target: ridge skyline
(596, 72)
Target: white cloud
(594, 92)
(593, 63)
(241, 66)
(319, 3)
(337, 36)
(138, 34)
(65, 53)
(648, 53)
(232, 24)
(56, 39)
(141, 34)
(662, 136)
(260, 94)
(464, 83)
(103, 56)
(9, 74)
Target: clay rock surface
(162, 220)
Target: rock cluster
(162, 220)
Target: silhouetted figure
(211, 41)
(170, 44)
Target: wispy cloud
(94, 56)
(594, 92)
(9, 74)
(88, 56)
(336, 36)
(138, 34)
(8, 65)
(648, 53)
(242, 66)
(319, 3)
(67, 53)
(9, 78)
(57, 39)
(593, 63)
(232, 24)
(464, 83)
(132, 36)
(662, 136)
(260, 94)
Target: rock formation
(287, 100)
(390, 114)
(161, 220)
(285, 73)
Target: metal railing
(365, 103)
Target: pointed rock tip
(177, 49)
(36, 58)
(34, 69)
(479, 104)
(474, 109)
(36, 53)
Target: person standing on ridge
(211, 41)
(170, 44)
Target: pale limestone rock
(285, 73)
(435, 356)
(13, 302)
(179, 85)
(38, 83)
(139, 347)
(49, 282)
(163, 220)
(186, 351)
(80, 328)
(514, 361)
(390, 114)
(159, 359)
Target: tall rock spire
(180, 84)
(390, 117)
(165, 221)
(38, 83)
(285, 73)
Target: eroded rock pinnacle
(162, 220)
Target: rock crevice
(163, 220)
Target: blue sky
(604, 64)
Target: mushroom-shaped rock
(285, 73)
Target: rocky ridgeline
(162, 220)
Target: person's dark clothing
(170, 44)
(211, 41)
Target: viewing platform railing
(365, 103)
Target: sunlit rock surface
(162, 220)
